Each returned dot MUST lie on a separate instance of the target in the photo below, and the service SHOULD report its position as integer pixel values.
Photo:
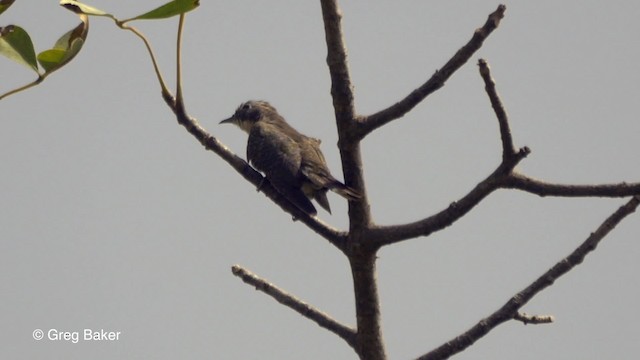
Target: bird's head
(249, 113)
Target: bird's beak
(230, 120)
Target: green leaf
(80, 8)
(53, 59)
(66, 48)
(4, 5)
(50, 59)
(16, 44)
(173, 8)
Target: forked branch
(510, 310)
(386, 235)
(503, 177)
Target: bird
(292, 162)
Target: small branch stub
(533, 319)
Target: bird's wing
(271, 151)
(314, 167)
(313, 164)
(275, 154)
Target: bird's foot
(260, 185)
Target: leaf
(53, 59)
(66, 48)
(4, 5)
(50, 59)
(173, 8)
(15, 43)
(80, 8)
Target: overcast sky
(113, 217)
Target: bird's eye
(246, 106)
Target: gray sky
(113, 217)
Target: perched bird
(291, 161)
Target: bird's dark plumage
(292, 162)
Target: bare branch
(370, 342)
(346, 333)
(503, 177)
(342, 94)
(533, 319)
(542, 188)
(508, 150)
(341, 87)
(509, 310)
(436, 81)
(522, 182)
(386, 235)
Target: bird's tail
(344, 191)
(340, 189)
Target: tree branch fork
(364, 238)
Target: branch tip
(508, 150)
(533, 319)
(236, 270)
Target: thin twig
(533, 319)
(179, 98)
(322, 319)
(37, 81)
(508, 150)
(165, 90)
(509, 310)
(542, 188)
(399, 109)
